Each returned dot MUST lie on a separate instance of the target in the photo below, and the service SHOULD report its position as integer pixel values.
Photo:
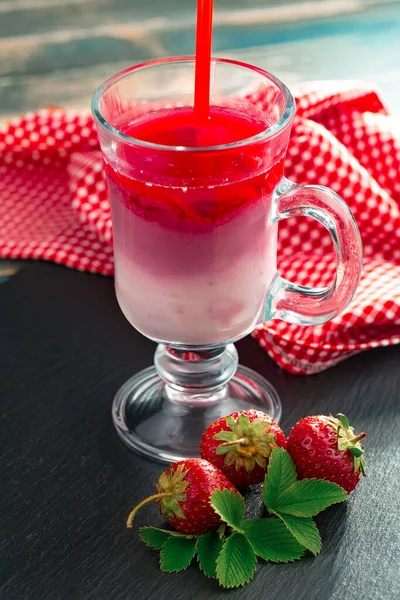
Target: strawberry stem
(142, 503)
(235, 442)
(358, 437)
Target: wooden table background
(58, 51)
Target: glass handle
(309, 305)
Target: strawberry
(327, 448)
(240, 445)
(183, 495)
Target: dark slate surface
(67, 484)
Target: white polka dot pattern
(54, 206)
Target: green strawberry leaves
(283, 494)
(266, 538)
(177, 549)
(236, 562)
(230, 507)
(307, 498)
(229, 553)
(271, 540)
(280, 476)
(209, 546)
(295, 502)
(153, 537)
(177, 553)
(305, 531)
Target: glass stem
(195, 376)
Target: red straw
(203, 59)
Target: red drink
(195, 174)
(195, 249)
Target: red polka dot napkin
(54, 206)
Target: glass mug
(195, 241)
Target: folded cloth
(54, 206)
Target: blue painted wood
(58, 51)
(23, 17)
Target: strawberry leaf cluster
(230, 553)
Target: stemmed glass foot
(163, 410)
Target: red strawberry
(183, 495)
(327, 448)
(240, 445)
